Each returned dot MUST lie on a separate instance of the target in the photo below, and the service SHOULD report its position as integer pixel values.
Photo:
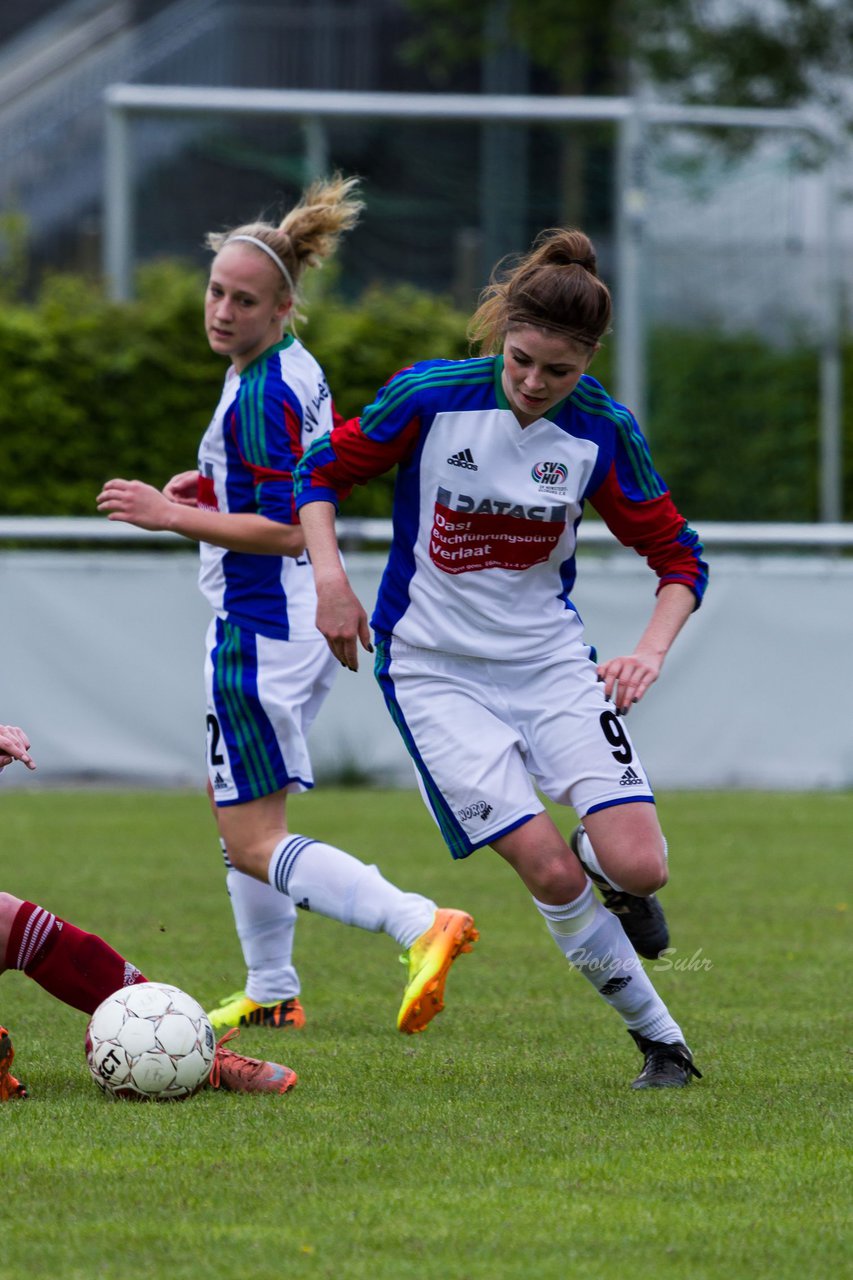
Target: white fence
(101, 654)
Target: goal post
(631, 116)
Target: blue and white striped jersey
(266, 418)
(483, 558)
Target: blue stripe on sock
(286, 861)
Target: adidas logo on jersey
(464, 458)
(219, 783)
(630, 778)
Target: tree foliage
(749, 53)
(792, 53)
(94, 389)
(584, 45)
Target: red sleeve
(657, 531)
(346, 457)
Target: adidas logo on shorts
(630, 778)
(464, 458)
(219, 783)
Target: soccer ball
(150, 1041)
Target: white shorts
(485, 736)
(262, 698)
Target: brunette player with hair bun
(480, 651)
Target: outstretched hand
(135, 503)
(14, 745)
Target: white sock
(590, 860)
(594, 943)
(265, 923)
(321, 878)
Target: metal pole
(503, 146)
(831, 494)
(332, 104)
(316, 148)
(631, 214)
(118, 211)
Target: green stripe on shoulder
(253, 390)
(253, 386)
(590, 397)
(461, 373)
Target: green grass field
(505, 1142)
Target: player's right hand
(343, 621)
(14, 745)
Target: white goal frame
(631, 115)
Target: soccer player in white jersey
(479, 651)
(268, 669)
(81, 969)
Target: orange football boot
(429, 959)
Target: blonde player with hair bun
(268, 669)
(306, 235)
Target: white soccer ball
(150, 1041)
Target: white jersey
(492, 533)
(486, 513)
(265, 419)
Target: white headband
(271, 253)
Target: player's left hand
(136, 503)
(628, 678)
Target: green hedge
(94, 389)
(734, 426)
